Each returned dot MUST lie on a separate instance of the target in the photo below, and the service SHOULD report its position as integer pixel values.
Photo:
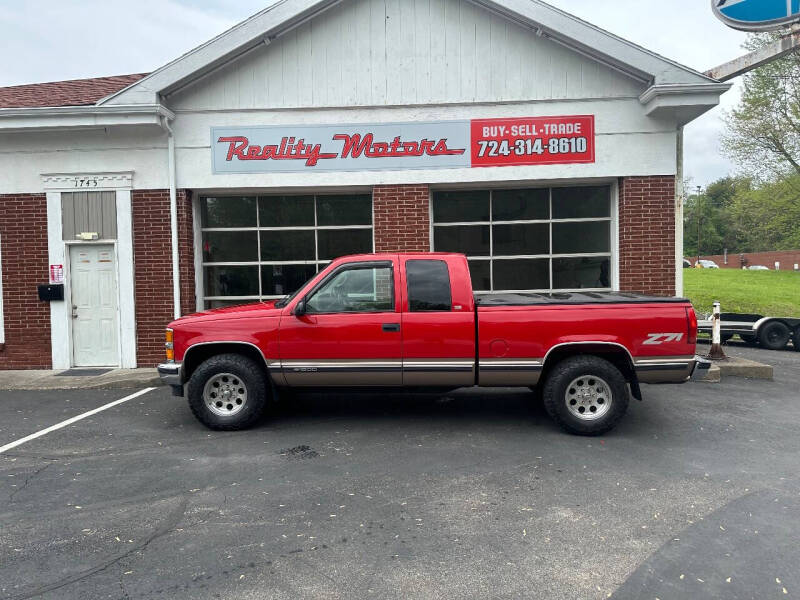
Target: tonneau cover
(570, 298)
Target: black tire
(774, 335)
(243, 374)
(750, 340)
(796, 340)
(558, 395)
(725, 337)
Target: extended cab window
(355, 290)
(428, 286)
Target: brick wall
(186, 251)
(402, 218)
(23, 229)
(647, 234)
(152, 252)
(787, 258)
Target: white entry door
(94, 306)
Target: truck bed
(570, 298)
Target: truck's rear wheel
(774, 335)
(228, 392)
(586, 395)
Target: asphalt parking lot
(473, 495)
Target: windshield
(286, 299)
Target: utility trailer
(772, 333)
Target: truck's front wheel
(586, 395)
(228, 392)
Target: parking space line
(33, 436)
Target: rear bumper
(701, 368)
(171, 373)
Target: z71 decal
(654, 339)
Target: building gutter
(81, 117)
(173, 218)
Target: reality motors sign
(523, 141)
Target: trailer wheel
(228, 392)
(796, 340)
(774, 335)
(586, 395)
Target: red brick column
(647, 234)
(186, 251)
(152, 254)
(23, 228)
(402, 218)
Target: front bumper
(171, 373)
(701, 368)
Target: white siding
(24, 157)
(399, 52)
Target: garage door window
(268, 246)
(539, 239)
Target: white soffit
(539, 17)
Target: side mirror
(300, 308)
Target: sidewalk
(115, 379)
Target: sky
(51, 40)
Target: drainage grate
(83, 372)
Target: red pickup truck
(412, 321)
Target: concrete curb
(738, 367)
(118, 379)
(742, 367)
(713, 376)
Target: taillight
(691, 321)
(169, 344)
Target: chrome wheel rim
(225, 394)
(588, 397)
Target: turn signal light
(170, 349)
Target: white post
(716, 335)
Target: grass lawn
(768, 293)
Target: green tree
(710, 214)
(763, 134)
(768, 217)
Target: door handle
(74, 312)
(391, 327)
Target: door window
(355, 290)
(428, 286)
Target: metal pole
(716, 335)
(697, 209)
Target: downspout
(173, 217)
(679, 196)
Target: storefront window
(540, 239)
(261, 247)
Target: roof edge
(676, 89)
